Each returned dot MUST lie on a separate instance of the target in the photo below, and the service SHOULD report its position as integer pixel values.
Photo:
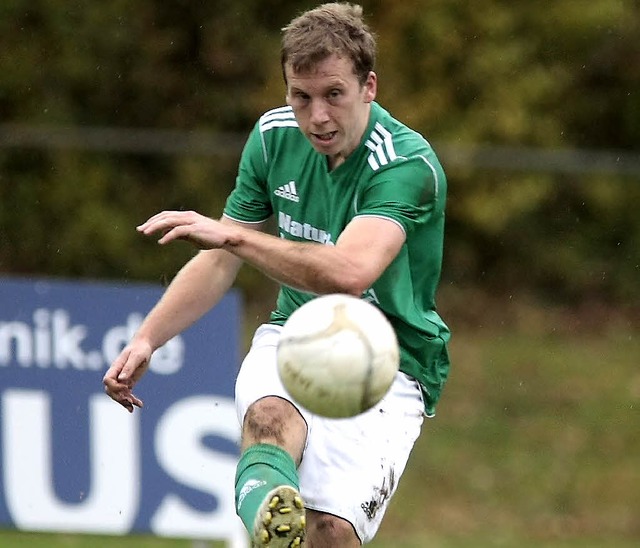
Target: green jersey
(394, 174)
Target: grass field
(536, 444)
(31, 540)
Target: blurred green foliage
(561, 75)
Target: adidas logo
(288, 192)
(247, 488)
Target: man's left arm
(363, 251)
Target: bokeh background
(112, 111)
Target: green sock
(261, 468)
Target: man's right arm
(199, 285)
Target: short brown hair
(336, 28)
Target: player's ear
(370, 87)
(287, 95)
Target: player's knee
(328, 530)
(270, 420)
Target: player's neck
(335, 161)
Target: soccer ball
(337, 355)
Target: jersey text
(303, 230)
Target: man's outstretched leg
(267, 497)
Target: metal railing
(178, 142)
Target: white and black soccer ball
(338, 355)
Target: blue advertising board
(71, 459)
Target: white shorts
(350, 467)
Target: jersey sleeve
(249, 201)
(408, 191)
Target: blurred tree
(498, 72)
(489, 72)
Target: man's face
(331, 106)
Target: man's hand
(203, 232)
(125, 371)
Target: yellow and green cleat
(281, 521)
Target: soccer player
(359, 200)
